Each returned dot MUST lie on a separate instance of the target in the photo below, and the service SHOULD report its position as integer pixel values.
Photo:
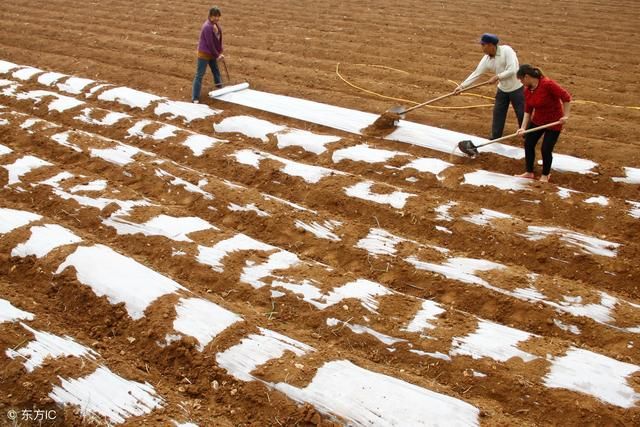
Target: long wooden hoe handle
(548, 125)
(226, 70)
(444, 96)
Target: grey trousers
(501, 107)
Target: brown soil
(293, 48)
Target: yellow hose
(408, 101)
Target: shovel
(471, 150)
(389, 118)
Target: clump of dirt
(383, 125)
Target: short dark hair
(215, 11)
(529, 70)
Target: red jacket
(545, 102)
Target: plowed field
(213, 264)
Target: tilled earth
(562, 292)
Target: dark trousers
(201, 68)
(501, 107)
(548, 142)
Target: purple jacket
(210, 44)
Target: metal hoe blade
(398, 109)
(468, 148)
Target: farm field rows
(169, 263)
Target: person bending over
(545, 102)
(503, 61)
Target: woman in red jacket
(545, 102)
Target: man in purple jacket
(209, 51)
